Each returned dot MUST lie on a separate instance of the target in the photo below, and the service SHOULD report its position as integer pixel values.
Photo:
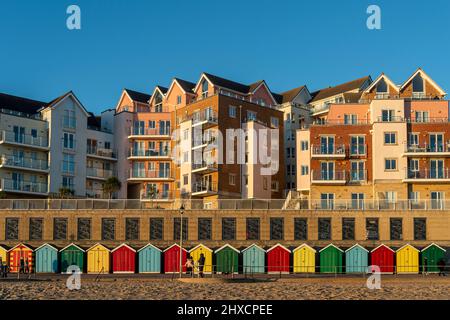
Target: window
(382, 86)
(420, 229)
(68, 163)
(300, 229)
(305, 170)
(390, 138)
(228, 228)
(418, 84)
(437, 200)
(204, 228)
(232, 179)
(437, 170)
(327, 201)
(69, 140)
(436, 142)
(265, 185)
(357, 172)
(422, 116)
(413, 168)
(12, 229)
(358, 145)
(204, 88)
(176, 228)
(186, 157)
(36, 228)
(274, 122)
(396, 229)
(132, 229)
(304, 145)
(252, 228)
(178, 99)
(232, 111)
(288, 152)
(357, 201)
(251, 115)
(276, 229)
(274, 185)
(387, 115)
(293, 170)
(67, 182)
(324, 228)
(34, 133)
(156, 228)
(108, 229)
(107, 145)
(186, 134)
(372, 229)
(84, 229)
(60, 229)
(391, 196)
(151, 124)
(414, 197)
(413, 139)
(390, 164)
(185, 179)
(350, 119)
(348, 228)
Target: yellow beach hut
(98, 257)
(4, 255)
(304, 259)
(407, 259)
(207, 252)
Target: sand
(138, 288)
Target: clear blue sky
(138, 44)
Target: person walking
(441, 266)
(22, 265)
(201, 265)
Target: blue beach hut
(356, 259)
(149, 259)
(46, 259)
(253, 259)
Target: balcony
(98, 173)
(437, 175)
(106, 154)
(203, 142)
(204, 167)
(149, 154)
(149, 133)
(29, 164)
(328, 177)
(204, 189)
(23, 140)
(164, 196)
(390, 119)
(25, 187)
(328, 151)
(427, 150)
(150, 175)
(206, 117)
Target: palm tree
(111, 185)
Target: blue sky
(138, 44)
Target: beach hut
(4, 255)
(46, 259)
(278, 259)
(207, 252)
(149, 259)
(432, 255)
(227, 259)
(331, 259)
(98, 259)
(407, 259)
(123, 259)
(304, 259)
(356, 259)
(253, 259)
(383, 257)
(72, 255)
(17, 253)
(172, 259)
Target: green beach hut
(72, 255)
(431, 254)
(331, 259)
(227, 259)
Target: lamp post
(181, 239)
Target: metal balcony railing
(100, 173)
(358, 175)
(101, 152)
(328, 150)
(25, 139)
(149, 153)
(150, 174)
(428, 148)
(427, 174)
(140, 131)
(204, 187)
(27, 163)
(390, 119)
(204, 164)
(23, 186)
(321, 175)
(206, 115)
(358, 149)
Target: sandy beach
(142, 288)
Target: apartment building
(388, 148)
(43, 147)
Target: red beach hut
(278, 259)
(172, 259)
(124, 259)
(383, 256)
(17, 253)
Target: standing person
(441, 266)
(27, 266)
(22, 265)
(201, 264)
(425, 266)
(189, 265)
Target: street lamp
(181, 239)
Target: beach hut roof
(46, 245)
(253, 245)
(357, 245)
(123, 245)
(408, 245)
(433, 244)
(20, 244)
(382, 245)
(149, 245)
(200, 245)
(174, 245)
(70, 245)
(278, 245)
(98, 244)
(226, 246)
(331, 245)
(304, 245)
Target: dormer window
(382, 90)
(205, 88)
(418, 87)
(158, 102)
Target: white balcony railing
(428, 148)
(23, 186)
(23, 139)
(21, 162)
(332, 150)
(328, 176)
(204, 187)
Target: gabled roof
(356, 246)
(123, 245)
(20, 104)
(46, 245)
(74, 245)
(331, 245)
(100, 245)
(255, 85)
(435, 245)
(290, 95)
(339, 89)
(253, 245)
(174, 245)
(225, 83)
(186, 86)
(302, 246)
(407, 245)
(382, 245)
(424, 75)
(226, 246)
(278, 245)
(161, 90)
(55, 102)
(352, 97)
(380, 77)
(18, 245)
(149, 245)
(138, 96)
(202, 246)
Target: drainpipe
(240, 165)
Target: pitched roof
(186, 85)
(94, 121)
(225, 83)
(352, 97)
(341, 88)
(289, 95)
(138, 96)
(20, 104)
(163, 89)
(252, 87)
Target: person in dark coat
(22, 265)
(201, 264)
(425, 266)
(441, 266)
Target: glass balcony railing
(428, 148)
(142, 131)
(21, 162)
(99, 173)
(204, 187)
(328, 150)
(149, 153)
(100, 152)
(150, 174)
(427, 174)
(23, 139)
(23, 186)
